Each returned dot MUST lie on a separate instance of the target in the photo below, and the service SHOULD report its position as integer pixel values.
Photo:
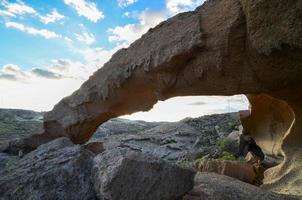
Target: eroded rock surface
(56, 170)
(129, 175)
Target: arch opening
(178, 108)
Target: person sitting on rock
(248, 144)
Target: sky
(50, 47)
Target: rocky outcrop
(129, 175)
(210, 186)
(56, 170)
(188, 139)
(225, 47)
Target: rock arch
(224, 47)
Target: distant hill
(15, 123)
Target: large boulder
(56, 170)
(129, 175)
(211, 186)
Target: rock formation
(224, 47)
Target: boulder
(56, 170)
(241, 170)
(211, 186)
(130, 175)
(234, 136)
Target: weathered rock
(56, 170)
(211, 186)
(234, 136)
(6, 159)
(94, 147)
(129, 175)
(251, 158)
(236, 169)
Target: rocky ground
(188, 139)
(129, 160)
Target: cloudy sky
(50, 47)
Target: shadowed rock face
(225, 47)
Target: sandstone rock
(252, 158)
(94, 147)
(56, 170)
(236, 169)
(210, 186)
(129, 175)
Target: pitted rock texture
(56, 170)
(129, 175)
(224, 47)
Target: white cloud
(125, 3)
(68, 39)
(52, 17)
(41, 88)
(126, 14)
(13, 72)
(177, 6)
(17, 8)
(85, 37)
(131, 32)
(6, 13)
(86, 9)
(33, 31)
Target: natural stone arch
(225, 47)
(209, 54)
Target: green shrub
(227, 145)
(227, 156)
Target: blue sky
(28, 50)
(50, 47)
